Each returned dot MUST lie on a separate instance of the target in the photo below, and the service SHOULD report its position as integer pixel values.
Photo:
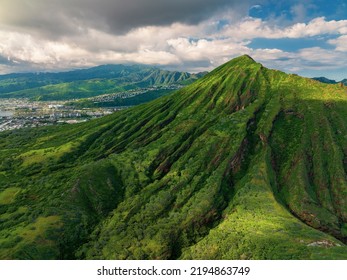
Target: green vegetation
(245, 163)
(8, 195)
(89, 82)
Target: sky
(305, 37)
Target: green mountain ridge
(328, 81)
(245, 163)
(89, 82)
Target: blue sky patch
(299, 11)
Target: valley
(43, 99)
(23, 112)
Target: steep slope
(88, 82)
(246, 163)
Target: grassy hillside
(88, 82)
(246, 163)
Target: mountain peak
(240, 61)
(244, 58)
(247, 57)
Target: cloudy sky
(305, 37)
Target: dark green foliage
(246, 163)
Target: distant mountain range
(89, 82)
(328, 81)
(245, 163)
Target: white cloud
(196, 47)
(205, 49)
(317, 26)
(24, 48)
(319, 55)
(340, 43)
(142, 57)
(264, 55)
(315, 58)
(250, 28)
